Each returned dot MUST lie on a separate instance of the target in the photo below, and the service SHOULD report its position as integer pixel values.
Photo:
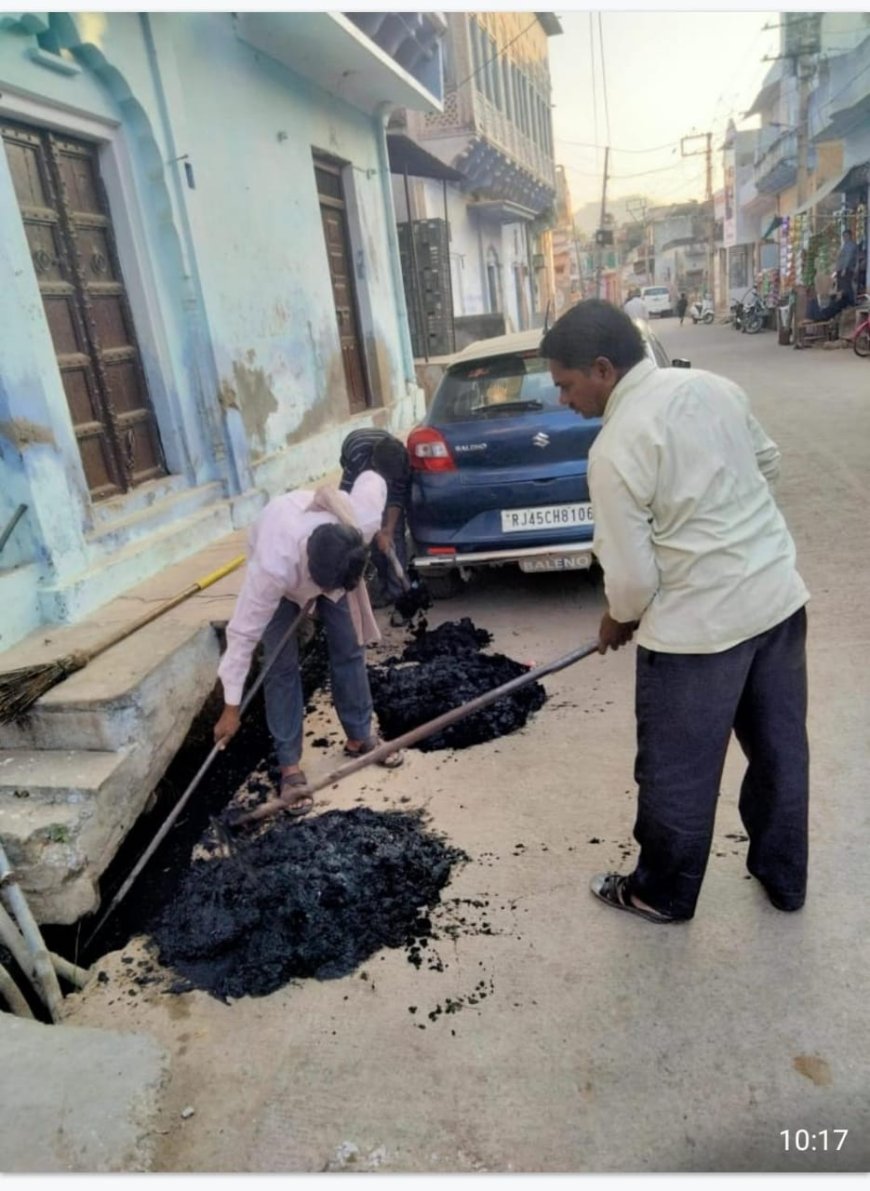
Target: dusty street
(603, 1043)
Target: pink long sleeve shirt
(277, 568)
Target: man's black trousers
(687, 706)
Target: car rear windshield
(657, 291)
(492, 388)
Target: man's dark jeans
(686, 707)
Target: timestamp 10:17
(803, 1140)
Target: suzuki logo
(541, 439)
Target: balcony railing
(468, 113)
(776, 166)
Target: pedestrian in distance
(682, 307)
(699, 565)
(635, 307)
(847, 261)
(370, 449)
(307, 545)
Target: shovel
(274, 806)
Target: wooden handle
(226, 569)
(397, 568)
(273, 806)
(167, 606)
(200, 773)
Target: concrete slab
(78, 1100)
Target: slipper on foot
(390, 761)
(612, 889)
(303, 802)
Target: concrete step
(145, 495)
(62, 816)
(53, 777)
(129, 524)
(135, 692)
(75, 597)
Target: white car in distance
(658, 300)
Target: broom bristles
(19, 689)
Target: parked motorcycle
(702, 312)
(751, 313)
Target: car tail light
(428, 450)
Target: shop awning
(774, 224)
(407, 156)
(821, 193)
(857, 178)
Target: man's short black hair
(336, 557)
(591, 329)
(390, 459)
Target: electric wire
(497, 54)
(603, 77)
(592, 77)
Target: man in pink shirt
(307, 545)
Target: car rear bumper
(580, 554)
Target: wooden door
(69, 231)
(334, 217)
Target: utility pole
(633, 206)
(804, 73)
(711, 225)
(601, 235)
(579, 258)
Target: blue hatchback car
(499, 466)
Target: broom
(19, 689)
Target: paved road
(606, 1044)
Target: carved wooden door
(334, 216)
(69, 231)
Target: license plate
(557, 562)
(545, 517)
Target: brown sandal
(390, 761)
(304, 802)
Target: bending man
(369, 449)
(304, 545)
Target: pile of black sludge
(306, 899)
(450, 670)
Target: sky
(668, 75)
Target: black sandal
(612, 889)
(390, 761)
(303, 802)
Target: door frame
(131, 238)
(344, 170)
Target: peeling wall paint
(24, 433)
(231, 289)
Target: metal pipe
(7, 532)
(382, 115)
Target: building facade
(495, 132)
(202, 288)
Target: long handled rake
(199, 775)
(19, 689)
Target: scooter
(702, 312)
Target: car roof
(520, 341)
(501, 345)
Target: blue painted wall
(228, 279)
